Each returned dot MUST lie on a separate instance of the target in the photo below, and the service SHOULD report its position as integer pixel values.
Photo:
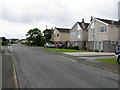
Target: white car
(49, 45)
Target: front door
(98, 45)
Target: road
(38, 69)
(0, 68)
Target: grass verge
(66, 50)
(108, 60)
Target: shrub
(65, 47)
(76, 47)
(102, 51)
(96, 50)
(4, 43)
(73, 47)
(84, 48)
(91, 50)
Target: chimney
(91, 18)
(112, 22)
(83, 20)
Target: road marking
(67, 58)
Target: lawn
(109, 60)
(66, 50)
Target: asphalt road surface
(0, 68)
(38, 69)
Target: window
(113, 42)
(75, 43)
(92, 32)
(103, 29)
(79, 34)
(58, 35)
(72, 33)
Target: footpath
(7, 69)
(88, 58)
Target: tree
(34, 37)
(48, 34)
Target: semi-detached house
(79, 34)
(103, 35)
(61, 35)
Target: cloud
(18, 16)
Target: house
(13, 41)
(79, 34)
(61, 35)
(103, 34)
(22, 41)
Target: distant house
(103, 34)
(61, 35)
(79, 34)
(13, 41)
(22, 41)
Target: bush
(4, 43)
(76, 47)
(91, 50)
(73, 47)
(102, 51)
(84, 48)
(96, 50)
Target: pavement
(7, 68)
(90, 54)
(39, 68)
(88, 58)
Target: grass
(108, 60)
(66, 50)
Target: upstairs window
(103, 29)
(92, 32)
(58, 35)
(79, 36)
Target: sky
(17, 17)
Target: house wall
(109, 47)
(77, 34)
(89, 32)
(74, 33)
(113, 33)
(90, 45)
(119, 33)
(84, 35)
(64, 36)
(100, 36)
(54, 36)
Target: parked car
(117, 54)
(49, 45)
(59, 45)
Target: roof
(65, 30)
(111, 22)
(84, 26)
